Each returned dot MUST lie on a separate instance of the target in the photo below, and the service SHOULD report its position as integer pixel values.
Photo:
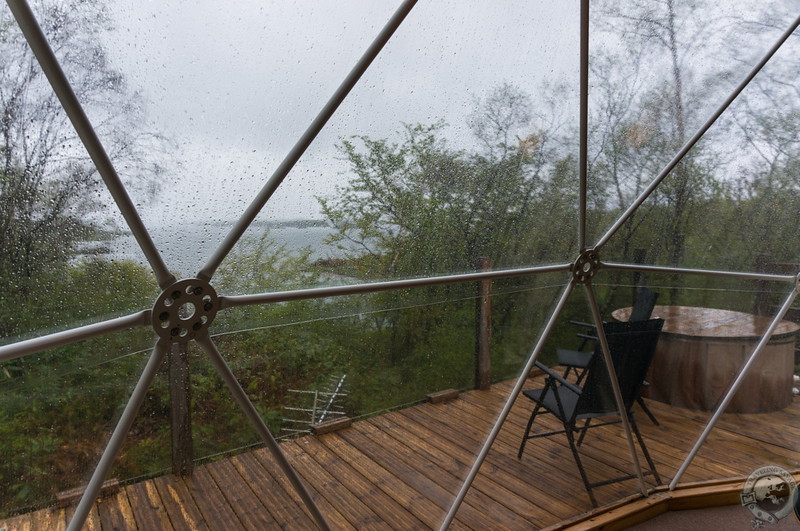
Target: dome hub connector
(184, 309)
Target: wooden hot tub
(701, 350)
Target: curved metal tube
(68, 337)
(583, 155)
(701, 272)
(512, 397)
(252, 415)
(737, 382)
(612, 377)
(232, 301)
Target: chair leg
(576, 455)
(583, 431)
(649, 459)
(647, 411)
(527, 431)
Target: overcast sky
(234, 84)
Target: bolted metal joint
(586, 266)
(183, 309)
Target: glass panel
(652, 95)
(394, 347)
(440, 160)
(459, 143)
(708, 336)
(223, 103)
(709, 333)
(55, 267)
(57, 410)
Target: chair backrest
(632, 345)
(645, 302)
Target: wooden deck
(401, 470)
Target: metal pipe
(512, 397)
(697, 136)
(583, 156)
(233, 301)
(252, 415)
(68, 337)
(118, 437)
(304, 141)
(734, 387)
(612, 376)
(80, 121)
(702, 272)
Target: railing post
(762, 305)
(483, 329)
(639, 256)
(180, 411)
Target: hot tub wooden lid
(712, 322)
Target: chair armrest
(560, 379)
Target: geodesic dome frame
(186, 308)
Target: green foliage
(57, 406)
(262, 265)
(419, 207)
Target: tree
(48, 187)
(645, 113)
(765, 127)
(419, 207)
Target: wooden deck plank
(22, 522)
(493, 485)
(331, 488)
(601, 463)
(115, 512)
(240, 496)
(401, 471)
(148, 509)
(483, 506)
(680, 434)
(51, 518)
(179, 504)
(385, 507)
(670, 443)
(330, 512)
(503, 471)
(547, 472)
(210, 500)
(271, 494)
(666, 454)
(550, 457)
(421, 475)
(92, 522)
(416, 502)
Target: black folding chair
(578, 360)
(632, 345)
